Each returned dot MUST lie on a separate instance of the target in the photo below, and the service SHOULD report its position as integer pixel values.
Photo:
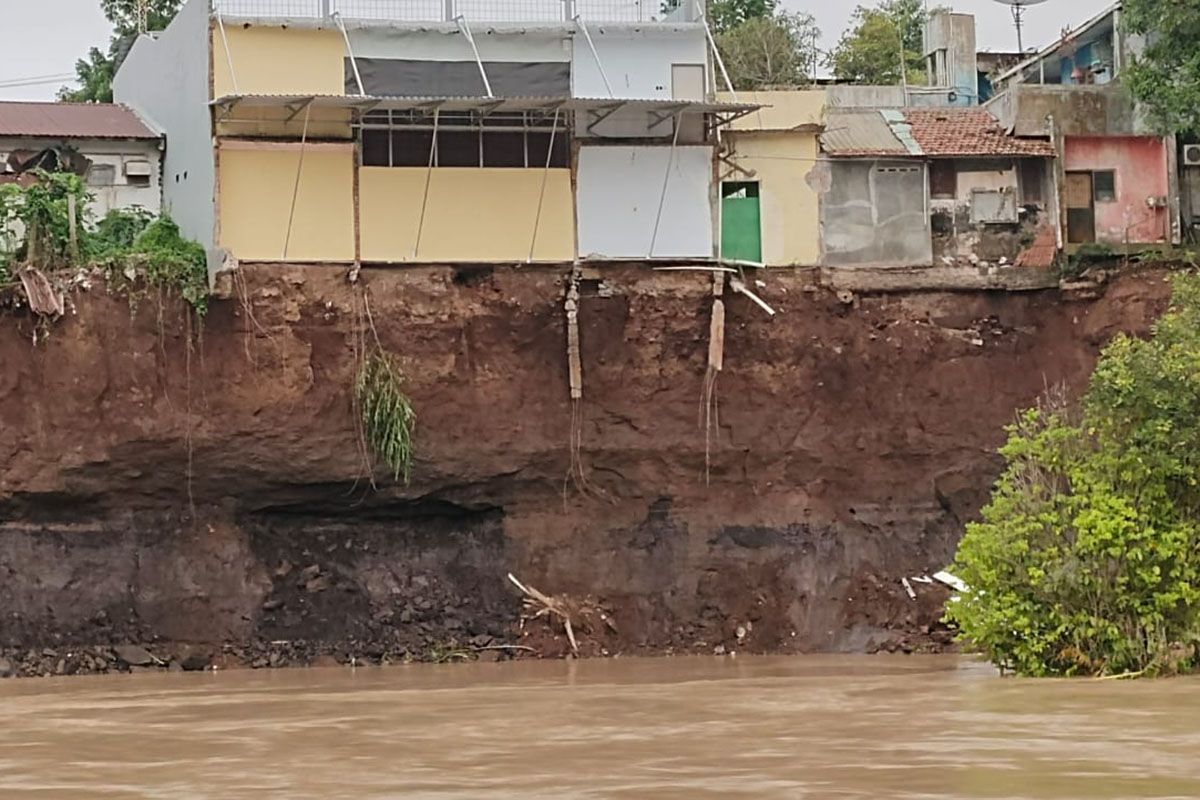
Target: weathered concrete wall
(874, 213)
(959, 236)
(1077, 110)
(849, 96)
(1141, 167)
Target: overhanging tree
(94, 74)
(776, 51)
(879, 40)
(1166, 77)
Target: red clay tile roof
(71, 121)
(964, 132)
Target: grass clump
(1087, 561)
(387, 414)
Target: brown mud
(210, 502)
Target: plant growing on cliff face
(1087, 560)
(387, 414)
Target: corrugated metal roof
(466, 103)
(72, 121)
(860, 132)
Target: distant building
(919, 187)
(1120, 181)
(456, 131)
(109, 146)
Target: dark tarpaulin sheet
(390, 77)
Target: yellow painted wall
(255, 184)
(269, 60)
(781, 111)
(484, 215)
(791, 230)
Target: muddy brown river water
(870, 727)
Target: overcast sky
(43, 38)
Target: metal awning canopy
(598, 108)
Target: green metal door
(741, 222)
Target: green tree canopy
(775, 51)
(878, 40)
(1087, 560)
(94, 74)
(1166, 77)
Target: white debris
(953, 581)
(912, 595)
(922, 579)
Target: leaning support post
(287, 241)
(537, 219)
(350, 52)
(73, 228)
(592, 46)
(428, 180)
(717, 56)
(466, 31)
(228, 53)
(662, 199)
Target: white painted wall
(442, 45)
(108, 153)
(636, 61)
(617, 201)
(165, 79)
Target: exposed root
(574, 616)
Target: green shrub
(1087, 560)
(387, 415)
(119, 229)
(43, 210)
(156, 256)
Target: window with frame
(1104, 186)
(464, 139)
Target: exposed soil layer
(217, 495)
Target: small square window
(1104, 186)
(102, 175)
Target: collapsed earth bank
(211, 502)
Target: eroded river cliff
(215, 494)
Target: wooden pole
(72, 226)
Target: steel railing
(545, 11)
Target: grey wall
(875, 213)
(165, 79)
(1078, 110)
(853, 96)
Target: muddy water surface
(684, 728)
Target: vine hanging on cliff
(387, 414)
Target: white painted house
(114, 150)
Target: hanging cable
(428, 179)
(666, 180)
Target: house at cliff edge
(391, 131)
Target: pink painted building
(1117, 189)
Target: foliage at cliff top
(1087, 560)
(94, 74)
(878, 40)
(132, 247)
(1166, 77)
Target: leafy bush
(132, 246)
(1087, 560)
(42, 209)
(387, 415)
